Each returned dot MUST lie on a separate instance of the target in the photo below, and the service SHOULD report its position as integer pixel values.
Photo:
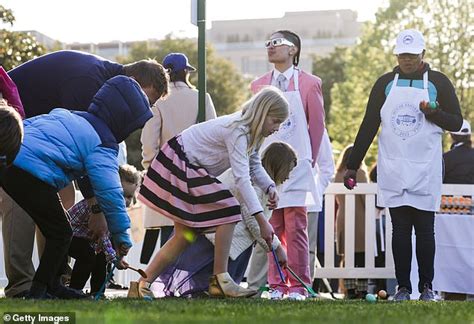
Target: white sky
(125, 20)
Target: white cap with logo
(464, 130)
(409, 41)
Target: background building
(109, 50)
(241, 41)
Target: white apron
(294, 131)
(409, 167)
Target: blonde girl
(181, 184)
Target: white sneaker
(276, 295)
(296, 296)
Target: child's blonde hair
(11, 133)
(278, 159)
(267, 102)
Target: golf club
(308, 288)
(102, 288)
(278, 266)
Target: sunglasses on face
(275, 42)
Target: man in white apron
(303, 130)
(409, 163)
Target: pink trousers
(290, 225)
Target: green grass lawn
(253, 311)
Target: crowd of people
(233, 195)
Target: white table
(454, 258)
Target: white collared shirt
(288, 74)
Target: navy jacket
(65, 79)
(63, 146)
(459, 164)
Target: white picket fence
(329, 271)
(369, 271)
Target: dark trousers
(42, 203)
(87, 264)
(150, 239)
(404, 219)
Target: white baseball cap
(409, 41)
(464, 130)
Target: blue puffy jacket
(65, 145)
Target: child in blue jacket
(63, 146)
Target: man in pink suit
(303, 130)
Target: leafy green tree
(15, 47)
(331, 70)
(448, 30)
(225, 84)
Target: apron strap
(395, 80)
(295, 79)
(425, 80)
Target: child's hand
(272, 198)
(97, 226)
(123, 250)
(282, 258)
(266, 231)
(121, 264)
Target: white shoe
(296, 296)
(276, 295)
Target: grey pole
(201, 22)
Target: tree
(448, 29)
(331, 70)
(226, 86)
(15, 47)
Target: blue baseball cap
(177, 62)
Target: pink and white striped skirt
(186, 193)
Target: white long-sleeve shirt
(216, 145)
(323, 173)
(248, 231)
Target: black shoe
(427, 294)
(63, 292)
(38, 291)
(361, 294)
(402, 294)
(351, 294)
(21, 294)
(113, 285)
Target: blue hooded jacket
(63, 146)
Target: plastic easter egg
(370, 298)
(382, 294)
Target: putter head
(142, 273)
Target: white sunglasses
(275, 42)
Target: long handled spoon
(140, 271)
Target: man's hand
(97, 226)
(282, 258)
(272, 198)
(350, 179)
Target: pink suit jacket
(313, 103)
